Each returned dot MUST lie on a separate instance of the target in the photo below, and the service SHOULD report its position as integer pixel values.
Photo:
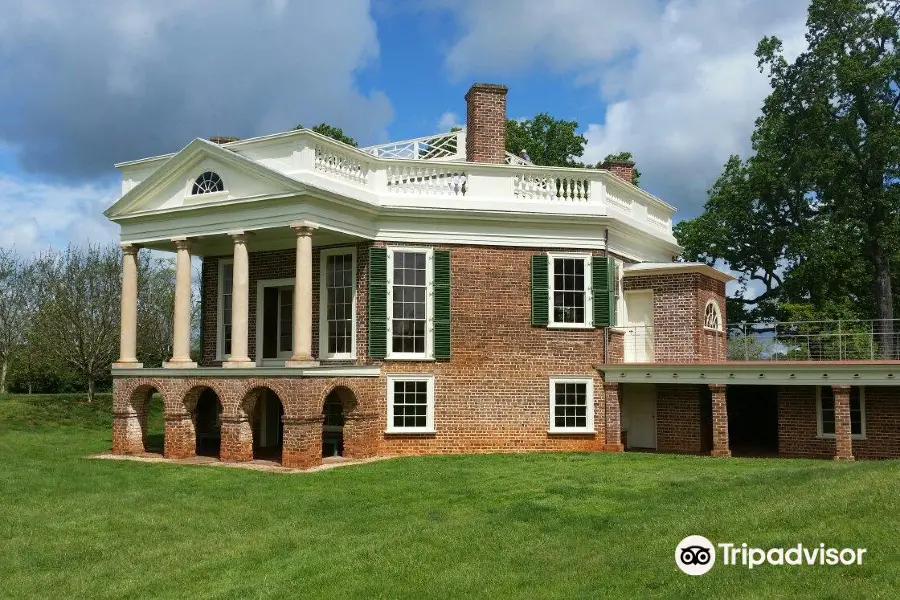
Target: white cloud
(92, 83)
(37, 215)
(679, 78)
(448, 121)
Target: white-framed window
(712, 316)
(223, 309)
(410, 303)
(618, 294)
(571, 404)
(825, 412)
(410, 403)
(337, 303)
(207, 182)
(571, 299)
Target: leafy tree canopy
(813, 216)
(548, 141)
(335, 133)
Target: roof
(649, 268)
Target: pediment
(171, 185)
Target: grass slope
(538, 525)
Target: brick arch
(131, 400)
(362, 421)
(347, 395)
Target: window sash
(410, 404)
(410, 299)
(571, 405)
(337, 303)
(570, 291)
(223, 326)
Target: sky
(86, 84)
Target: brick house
(440, 295)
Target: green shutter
(442, 304)
(377, 302)
(540, 310)
(603, 281)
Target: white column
(181, 326)
(303, 297)
(128, 321)
(240, 304)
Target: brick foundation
(613, 397)
(179, 437)
(678, 427)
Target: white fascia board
(676, 267)
(755, 373)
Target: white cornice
(675, 267)
(756, 373)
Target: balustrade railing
(426, 180)
(539, 185)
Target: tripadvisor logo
(695, 555)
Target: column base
(296, 362)
(119, 364)
(180, 364)
(613, 447)
(239, 364)
(720, 453)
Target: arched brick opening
(257, 431)
(135, 430)
(204, 406)
(339, 402)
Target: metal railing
(837, 340)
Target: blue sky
(84, 85)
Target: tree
(818, 204)
(549, 142)
(623, 156)
(18, 299)
(77, 321)
(156, 306)
(335, 133)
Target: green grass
(537, 525)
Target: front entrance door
(275, 314)
(639, 326)
(639, 415)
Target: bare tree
(77, 322)
(18, 299)
(156, 303)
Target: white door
(639, 326)
(639, 415)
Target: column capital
(240, 236)
(129, 248)
(304, 228)
(182, 243)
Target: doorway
(639, 326)
(268, 432)
(208, 424)
(333, 426)
(639, 416)
(753, 420)
(275, 320)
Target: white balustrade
(426, 180)
(340, 164)
(531, 185)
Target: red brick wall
(486, 123)
(679, 302)
(493, 395)
(678, 427)
(798, 427)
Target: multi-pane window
(410, 273)
(857, 412)
(227, 286)
(571, 405)
(285, 319)
(410, 403)
(570, 301)
(338, 292)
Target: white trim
(220, 308)
(588, 322)
(429, 304)
(862, 415)
(323, 301)
(429, 414)
(648, 268)
(260, 287)
(589, 398)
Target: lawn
(537, 525)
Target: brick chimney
(620, 168)
(486, 123)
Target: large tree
(77, 322)
(18, 300)
(816, 209)
(548, 141)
